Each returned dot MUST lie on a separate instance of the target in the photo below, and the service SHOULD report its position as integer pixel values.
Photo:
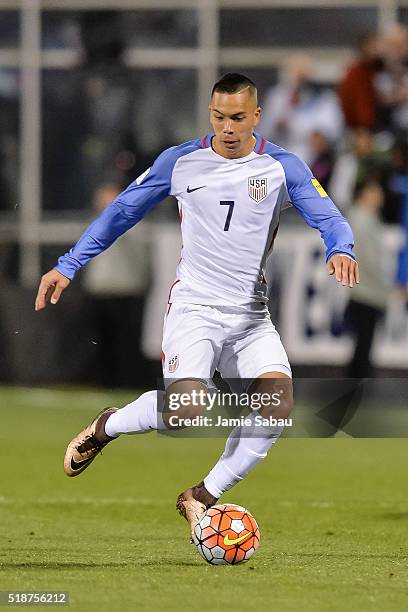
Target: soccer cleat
(190, 508)
(82, 450)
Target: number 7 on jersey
(229, 203)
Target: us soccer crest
(257, 188)
(173, 363)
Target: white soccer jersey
(229, 211)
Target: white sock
(244, 449)
(139, 416)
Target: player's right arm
(123, 213)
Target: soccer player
(231, 186)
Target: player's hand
(345, 269)
(52, 285)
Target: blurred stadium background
(91, 91)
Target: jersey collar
(259, 146)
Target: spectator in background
(322, 160)
(368, 302)
(395, 182)
(90, 111)
(352, 167)
(392, 81)
(357, 90)
(297, 107)
(115, 283)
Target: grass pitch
(333, 515)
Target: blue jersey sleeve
(125, 211)
(315, 206)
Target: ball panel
(215, 521)
(213, 511)
(237, 526)
(197, 531)
(250, 523)
(218, 552)
(213, 540)
(205, 520)
(235, 515)
(254, 525)
(249, 553)
(247, 544)
(240, 556)
(207, 533)
(205, 552)
(230, 554)
(225, 522)
(218, 562)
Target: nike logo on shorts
(194, 188)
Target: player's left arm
(320, 212)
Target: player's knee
(185, 400)
(282, 411)
(275, 396)
(285, 406)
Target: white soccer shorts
(241, 343)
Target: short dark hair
(233, 82)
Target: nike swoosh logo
(229, 542)
(77, 466)
(195, 188)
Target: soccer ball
(226, 534)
